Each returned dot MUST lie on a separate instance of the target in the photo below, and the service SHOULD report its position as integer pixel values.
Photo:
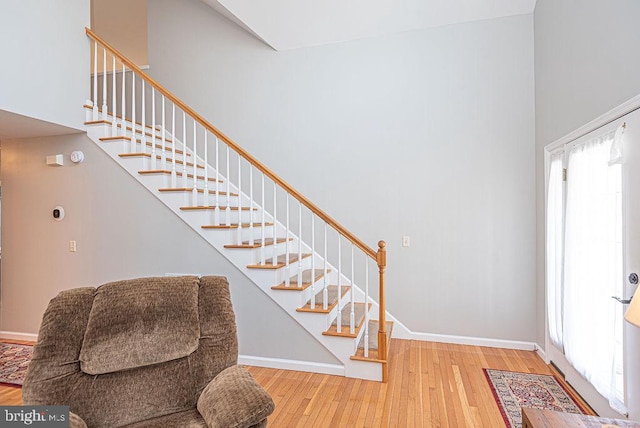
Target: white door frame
(611, 120)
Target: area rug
(514, 390)
(14, 360)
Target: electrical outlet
(406, 241)
(72, 246)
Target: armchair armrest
(76, 421)
(233, 399)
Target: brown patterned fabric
(230, 391)
(149, 392)
(141, 322)
(188, 419)
(75, 421)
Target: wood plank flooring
(430, 385)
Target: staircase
(306, 262)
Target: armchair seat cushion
(187, 419)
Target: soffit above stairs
(13, 125)
(291, 24)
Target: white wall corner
(540, 351)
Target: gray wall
(426, 133)
(122, 231)
(42, 44)
(586, 63)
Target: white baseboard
(18, 336)
(474, 341)
(301, 366)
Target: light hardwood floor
(430, 385)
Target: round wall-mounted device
(77, 156)
(58, 213)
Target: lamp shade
(633, 313)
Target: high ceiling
(291, 24)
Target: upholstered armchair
(149, 352)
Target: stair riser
(203, 217)
(185, 199)
(230, 235)
(166, 180)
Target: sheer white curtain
(593, 264)
(555, 253)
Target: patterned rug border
(496, 397)
(21, 345)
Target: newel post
(381, 259)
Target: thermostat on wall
(77, 156)
(58, 213)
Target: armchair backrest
(132, 350)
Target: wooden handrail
(228, 141)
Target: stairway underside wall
(122, 231)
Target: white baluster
(251, 230)
(326, 271)
(339, 285)
(143, 103)
(286, 243)
(163, 155)
(104, 84)
(114, 123)
(123, 122)
(206, 171)
(174, 173)
(194, 192)
(239, 229)
(154, 163)
(95, 81)
(263, 259)
(132, 148)
(313, 260)
(366, 306)
(216, 215)
(300, 243)
(352, 315)
(227, 211)
(275, 225)
(184, 150)
(133, 142)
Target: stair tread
(306, 280)
(120, 117)
(359, 308)
(281, 261)
(178, 173)
(190, 189)
(332, 299)
(148, 155)
(213, 207)
(148, 134)
(148, 143)
(373, 343)
(234, 225)
(98, 122)
(257, 243)
(373, 334)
